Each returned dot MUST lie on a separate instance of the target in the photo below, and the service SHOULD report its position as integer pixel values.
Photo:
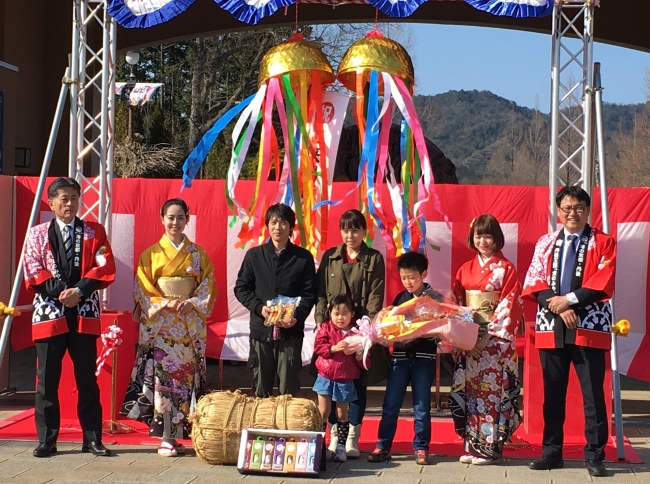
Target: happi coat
(46, 266)
(594, 270)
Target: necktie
(569, 261)
(67, 242)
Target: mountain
(478, 129)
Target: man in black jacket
(277, 268)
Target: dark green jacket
(366, 280)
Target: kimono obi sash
(483, 303)
(176, 287)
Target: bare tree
(224, 71)
(133, 158)
(536, 144)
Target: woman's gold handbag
(483, 303)
(176, 287)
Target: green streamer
(293, 161)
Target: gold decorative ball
(375, 52)
(292, 56)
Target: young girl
(337, 369)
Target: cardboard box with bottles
(269, 451)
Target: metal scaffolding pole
(571, 157)
(92, 110)
(616, 379)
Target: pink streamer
(407, 108)
(274, 95)
(381, 171)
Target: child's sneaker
(422, 457)
(379, 455)
(340, 454)
(466, 459)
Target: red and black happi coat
(594, 269)
(46, 264)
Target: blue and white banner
(140, 14)
(252, 11)
(396, 8)
(515, 8)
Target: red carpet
(443, 439)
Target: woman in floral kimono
(485, 390)
(174, 293)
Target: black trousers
(590, 368)
(83, 352)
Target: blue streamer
(288, 198)
(370, 143)
(252, 12)
(200, 152)
(126, 18)
(508, 8)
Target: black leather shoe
(44, 450)
(97, 448)
(546, 463)
(596, 468)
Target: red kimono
(92, 260)
(484, 393)
(594, 320)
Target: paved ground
(137, 464)
(142, 465)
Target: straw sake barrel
(220, 417)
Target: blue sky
(512, 64)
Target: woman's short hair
(486, 225)
(352, 219)
(175, 201)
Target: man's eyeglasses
(579, 209)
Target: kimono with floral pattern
(484, 394)
(169, 371)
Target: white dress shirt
(63, 225)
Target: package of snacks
(283, 309)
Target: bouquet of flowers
(421, 317)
